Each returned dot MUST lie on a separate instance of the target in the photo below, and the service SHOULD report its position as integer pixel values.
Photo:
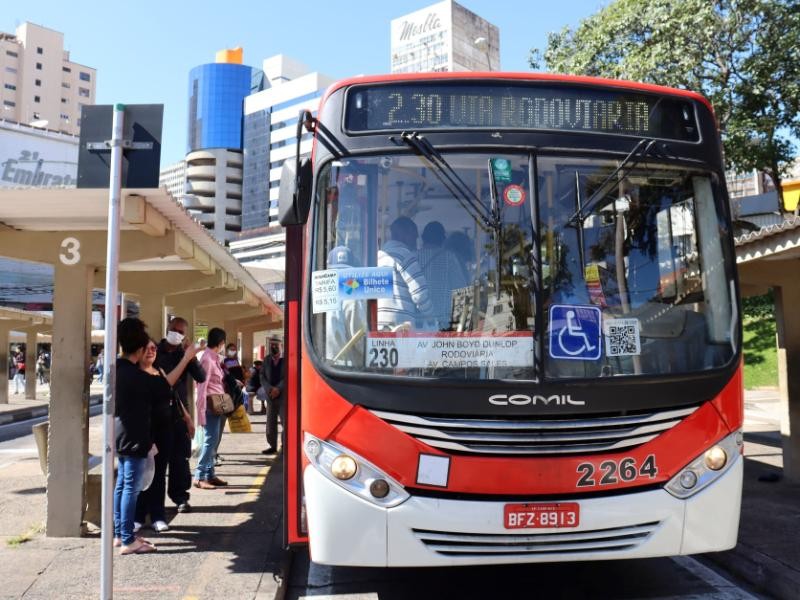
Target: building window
(38, 82)
(39, 50)
(63, 101)
(85, 76)
(83, 92)
(66, 69)
(38, 66)
(10, 70)
(37, 115)
(10, 53)
(10, 86)
(64, 117)
(65, 85)
(37, 99)
(8, 103)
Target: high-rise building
(270, 127)
(40, 84)
(444, 37)
(173, 178)
(214, 147)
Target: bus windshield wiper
(450, 179)
(635, 156)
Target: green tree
(743, 55)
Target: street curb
(34, 412)
(759, 570)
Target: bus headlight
(707, 467)
(354, 473)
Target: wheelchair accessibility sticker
(575, 332)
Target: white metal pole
(110, 351)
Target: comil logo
(524, 399)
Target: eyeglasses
(150, 348)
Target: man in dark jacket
(272, 382)
(170, 353)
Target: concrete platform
(229, 546)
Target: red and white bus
(512, 324)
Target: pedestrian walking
(211, 361)
(133, 424)
(170, 353)
(272, 380)
(19, 371)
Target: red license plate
(554, 515)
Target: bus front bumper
(344, 529)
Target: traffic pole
(110, 351)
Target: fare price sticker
(324, 291)
(449, 352)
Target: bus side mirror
(294, 198)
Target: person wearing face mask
(211, 361)
(160, 383)
(170, 353)
(234, 385)
(272, 382)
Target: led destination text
(518, 106)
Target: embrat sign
(36, 159)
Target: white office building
(39, 84)
(270, 127)
(444, 37)
(173, 178)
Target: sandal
(138, 547)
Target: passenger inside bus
(410, 305)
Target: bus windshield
(467, 266)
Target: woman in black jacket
(133, 408)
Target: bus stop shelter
(169, 264)
(770, 258)
(31, 324)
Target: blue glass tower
(216, 103)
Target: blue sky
(143, 50)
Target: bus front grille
(465, 545)
(532, 437)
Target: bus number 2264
(611, 471)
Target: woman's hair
(215, 337)
(132, 335)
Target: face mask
(274, 349)
(174, 338)
(231, 353)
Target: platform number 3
(70, 251)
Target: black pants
(275, 408)
(180, 473)
(151, 500)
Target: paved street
(228, 546)
(681, 577)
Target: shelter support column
(151, 311)
(4, 337)
(787, 299)
(247, 347)
(67, 452)
(31, 355)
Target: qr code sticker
(622, 337)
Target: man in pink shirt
(211, 361)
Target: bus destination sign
(510, 106)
